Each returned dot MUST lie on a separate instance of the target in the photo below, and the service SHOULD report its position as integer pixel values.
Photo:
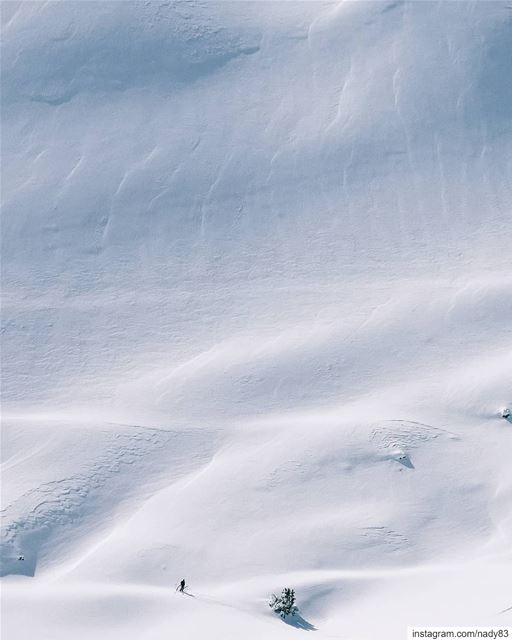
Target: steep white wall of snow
(253, 254)
(190, 151)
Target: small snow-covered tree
(284, 604)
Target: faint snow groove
(207, 198)
(166, 189)
(16, 7)
(392, 5)
(21, 457)
(54, 100)
(402, 121)
(74, 169)
(443, 189)
(341, 94)
(126, 176)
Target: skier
(181, 588)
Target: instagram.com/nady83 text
(436, 633)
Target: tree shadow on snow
(298, 622)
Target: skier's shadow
(298, 622)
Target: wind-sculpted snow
(324, 158)
(107, 465)
(256, 317)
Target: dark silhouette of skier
(181, 587)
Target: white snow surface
(256, 321)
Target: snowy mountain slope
(102, 466)
(256, 316)
(244, 172)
